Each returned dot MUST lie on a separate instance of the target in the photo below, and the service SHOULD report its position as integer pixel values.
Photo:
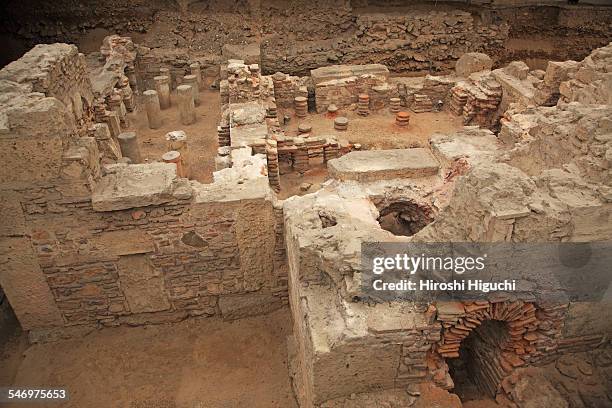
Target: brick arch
(533, 332)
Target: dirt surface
(198, 363)
(378, 130)
(201, 136)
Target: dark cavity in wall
(404, 217)
(479, 352)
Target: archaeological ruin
(190, 191)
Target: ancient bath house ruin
(143, 189)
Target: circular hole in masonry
(404, 217)
(475, 372)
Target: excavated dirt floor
(201, 136)
(376, 131)
(197, 363)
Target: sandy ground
(201, 136)
(198, 363)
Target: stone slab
(372, 165)
(246, 135)
(247, 113)
(135, 185)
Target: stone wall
(85, 245)
(58, 71)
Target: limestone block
(335, 72)
(142, 285)
(517, 69)
(247, 113)
(472, 62)
(136, 185)
(371, 165)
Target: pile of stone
(379, 96)
(286, 88)
(363, 105)
(115, 104)
(243, 81)
(341, 85)
(316, 147)
(459, 97)
(271, 109)
(483, 99)
(332, 151)
(332, 111)
(421, 103)
(304, 129)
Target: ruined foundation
(201, 173)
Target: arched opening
(476, 373)
(404, 217)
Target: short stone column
(177, 140)
(363, 105)
(192, 81)
(162, 86)
(402, 119)
(185, 104)
(163, 71)
(394, 105)
(196, 70)
(300, 156)
(153, 109)
(272, 162)
(341, 123)
(174, 157)
(129, 146)
(300, 104)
